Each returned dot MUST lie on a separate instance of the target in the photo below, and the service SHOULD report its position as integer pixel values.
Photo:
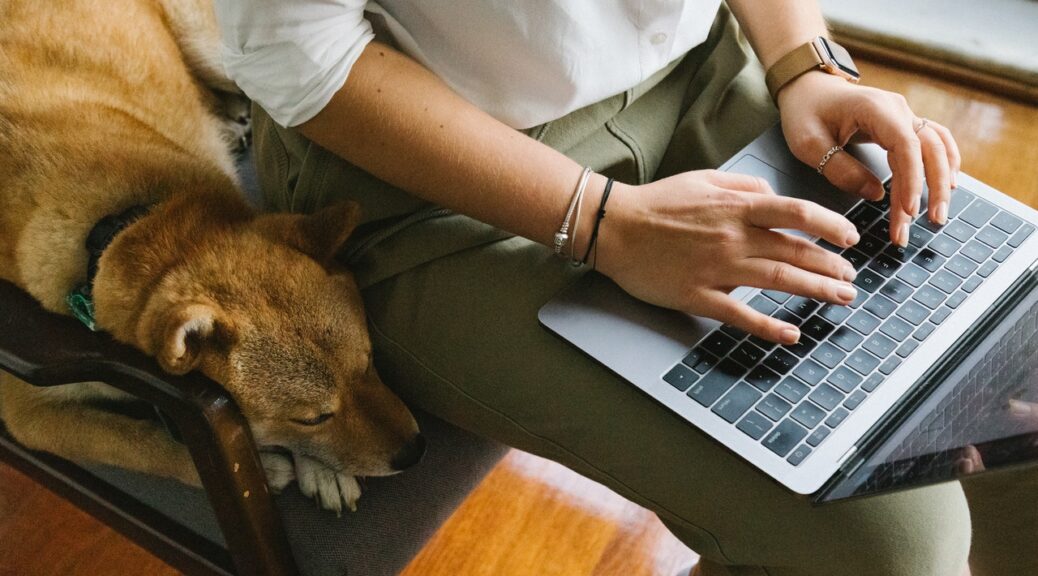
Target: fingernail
(849, 273)
(955, 179)
(902, 236)
(966, 466)
(853, 237)
(1018, 408)
(942, 212)
(915, 208)
(790, 335)
(846, 292)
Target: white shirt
(525, 62)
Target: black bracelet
(598, 222)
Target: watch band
(799, 61)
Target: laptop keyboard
(791, 398)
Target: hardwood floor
(531, 516)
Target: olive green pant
(453, 307)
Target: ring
(828, 156)
(922, 124)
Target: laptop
(928, 376)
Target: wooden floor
(531, 516)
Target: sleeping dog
(116, 128)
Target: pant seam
(547, 441)
(632, 144)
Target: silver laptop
(927, 376)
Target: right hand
(686, 241)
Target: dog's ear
(319, 235)
(183, 336)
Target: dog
(116, 106)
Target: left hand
(820, 111)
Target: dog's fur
(107, 104)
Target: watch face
(839, 58)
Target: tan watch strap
(797, 62)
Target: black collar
(81, 300)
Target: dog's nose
(409, 455)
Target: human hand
(820, 111)
(684, 242)
(970, 459)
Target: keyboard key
(941, 315)
(870, 245)
(846, 338)
(1002, 254)
(736, 402)
(912, 275)
(828, 355)
(776, 296)
(961, 266)
(733, 332)
(868, 281)
(754, 425)
(762, 378)
(960, 199)
(827, 397)
(863, 322)
(1006, 222)
(913, 312)
(881, 228)
(862, 215)
(781, 361)
(880, 307)
(889, 365)
(817, 436)
(715, 383)
(987, 269)
(761, 343)
(976, 251)
(923, 332)
(929, 296)
(834, 314)
(944, 245)
(885, 265)
(706, 363)
(784, 437)
(857, 259)
(792, 390)
(897, 329)
(854, 400)
(896, 290)
(808, 415)
(872, 382)
(788, 317)
(959, 231)
(797, 456)
(837, 417)
(844, 378)
(803, 347)
(972, 284)
(862, 362)
(907, 348)
(956, 299)
(859, 299)
(801, 306)
(774, 407)
(747, 354)
(978, 213)
(928, 259)
(829, 246)
(1021, 235)
(762, 305)
(946, 281)
(919, 236)
(817, 327)
(810, 371)
(879, 345)
(717, 344)
(992, 236)
(680, 377)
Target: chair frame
(46, 349)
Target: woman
(462, 127)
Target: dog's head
(261, 307)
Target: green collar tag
(82, 306)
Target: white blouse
(525, 62)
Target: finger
(775, 275)
(721, 306)
(741, 182)
(890, 122)
(846, 173)
(801, 253)
(791, 213)
(952, 148)
(1021, 410)
(938, 173)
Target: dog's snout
(410, 454)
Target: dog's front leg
(330, 488)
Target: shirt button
(658, 38)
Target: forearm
(398, 121)
(775, 27)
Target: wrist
(810, 83)
(623, 215)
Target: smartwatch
(818, 54)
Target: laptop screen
(981, 417)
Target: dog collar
(81, 300)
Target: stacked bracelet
(598, 222)
(562, 236)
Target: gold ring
(922, 124)
(828, 156)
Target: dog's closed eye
(314, 421)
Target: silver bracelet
(562, 236)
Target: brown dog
(111, 104)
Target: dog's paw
(329, 488)
(236, 116)
(279, 469)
